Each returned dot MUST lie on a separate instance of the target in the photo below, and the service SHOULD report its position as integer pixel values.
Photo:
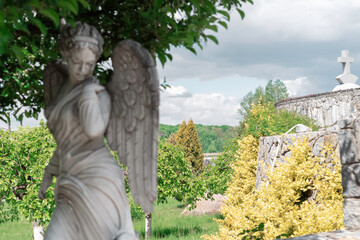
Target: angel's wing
(134, 121)
(55, 74)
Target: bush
(175, 178)
(266, 120)
(217, 174)
(24, 155)
(302, 196)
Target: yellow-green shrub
(282, 204)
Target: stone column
(349, 140)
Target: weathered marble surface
(90, 196)
(326, 108)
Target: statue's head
(81, 47)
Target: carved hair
(80, 36)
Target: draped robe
(90, 197)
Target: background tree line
(212, 137)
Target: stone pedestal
(349, 140)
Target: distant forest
(212, 137)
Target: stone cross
(346, 76)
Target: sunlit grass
(166, 224)
(16, 231)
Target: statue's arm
(51, 170)
(94, 110)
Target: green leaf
(192, 50)
(18, 53)
(70, 5)
(212, 27)
(5, 92)
(157, 4)
(162, 58)
(33, 3)
(12, 13)
(196, 3)
(85, 4)
(21, 27)
(222, 23)
(225, 14)
(213, 38)
(169, 56)
(39, 24)
(241, 12)
(50, 13)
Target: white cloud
(208, 109)
(298, 87)
(179, 91)
(304, 20)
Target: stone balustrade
(326, 108)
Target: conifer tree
(180, 137)
(188, 138)
(172, 139)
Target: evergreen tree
(180, 135)
(172, 139)
(188, 138)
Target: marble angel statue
(90, 196)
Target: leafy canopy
(274, 91)
(29, 32)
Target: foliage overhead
(303, 195)
(24, 155)
(29, 33)
(188, 138)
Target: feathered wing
(55, 74)
(134, 121)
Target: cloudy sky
(295, 41)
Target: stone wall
(346, 142)
(326, 108)
(349, 140)
(273, 149)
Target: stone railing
(326, 108)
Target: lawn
(166, 224)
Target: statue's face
(81, 64)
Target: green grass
(166, 224)
(16, 231)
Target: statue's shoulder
(55, 74)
